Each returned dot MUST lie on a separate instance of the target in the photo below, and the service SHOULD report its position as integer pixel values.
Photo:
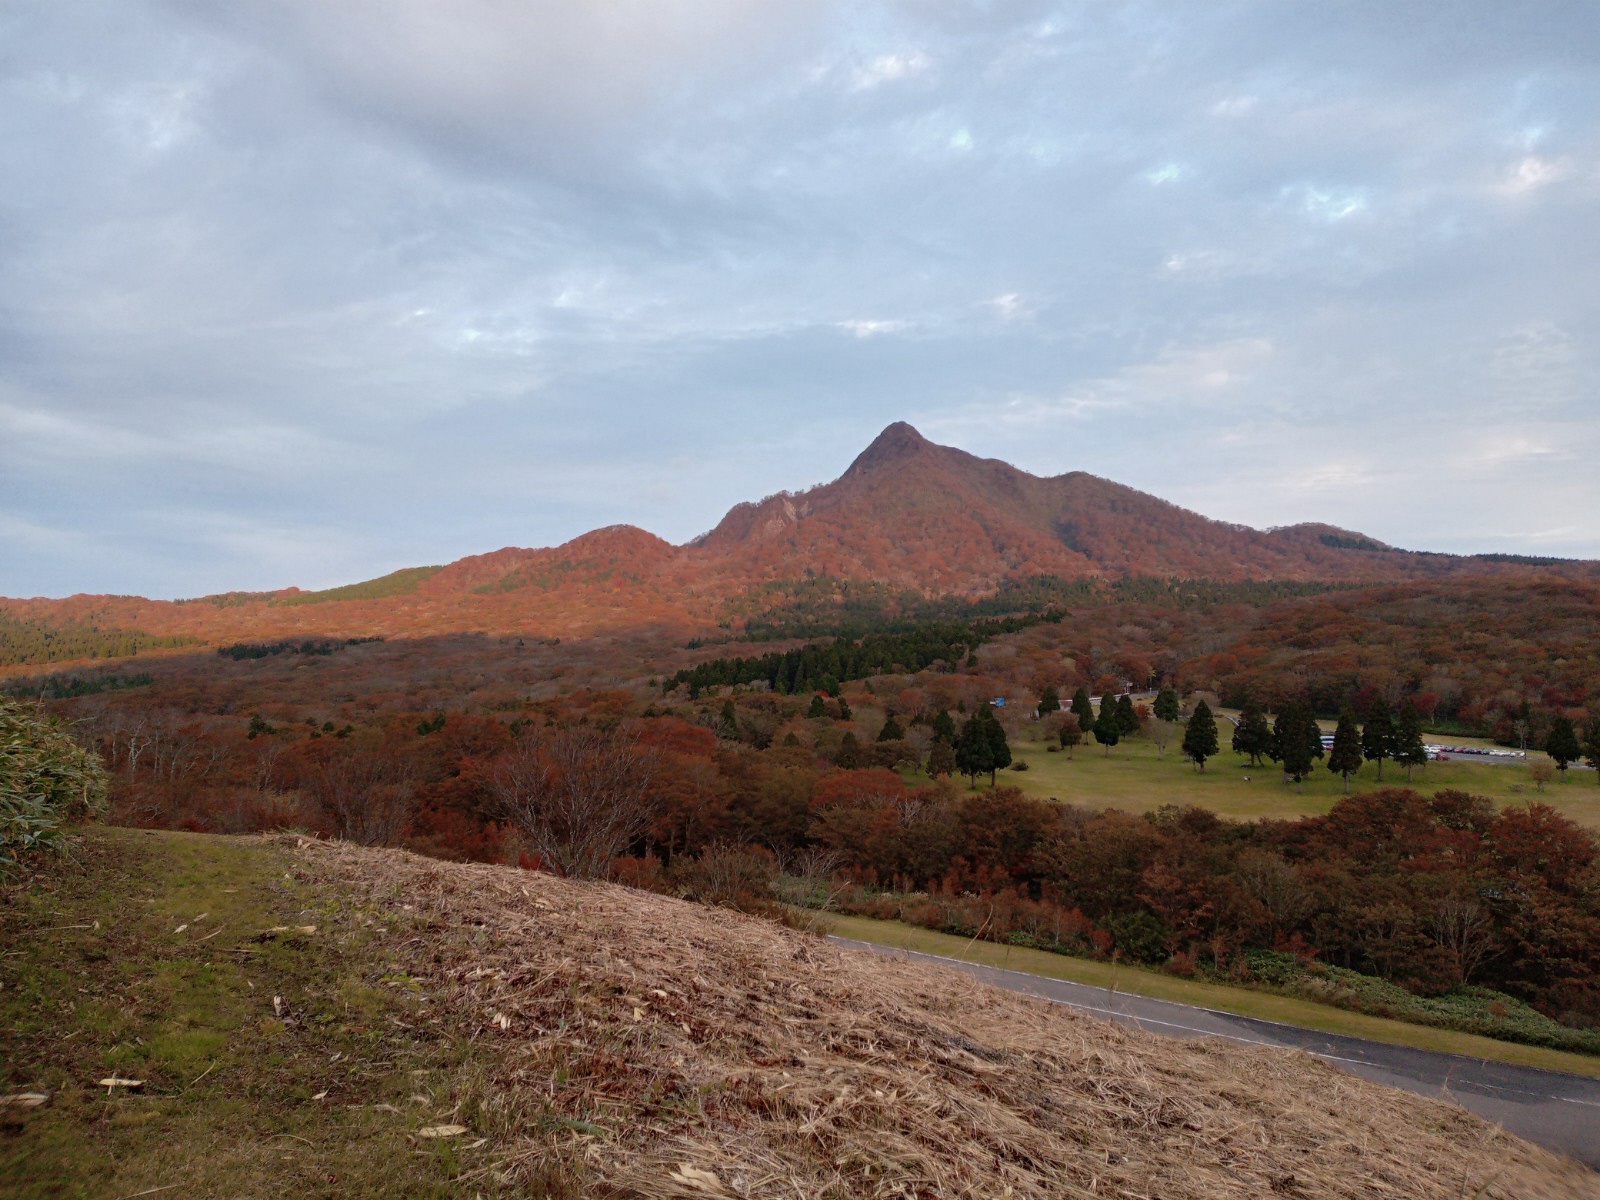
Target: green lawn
(1244, 1001)
(1134, 777)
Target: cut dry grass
(650, 1048)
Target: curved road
(1554, 1109)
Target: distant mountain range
(906, 516)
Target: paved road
(1552, 1108)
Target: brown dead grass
(653, 1048)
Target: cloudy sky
(298, 292)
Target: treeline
(823, 606)
(1434, 893)
(68, 687)
(823, 668)
(26, 641)
(239, 651)
(1480, 657)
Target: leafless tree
(366, 795)
(1460, 927)
(579, 796)
(1277, 885)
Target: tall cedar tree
(891, 730)
(999, 748)
(1409, 751)
(1127, 718)
(1562, 745)
(944, 729)
(981, 746)
(1345, 758)
(1296, 740)
(1049, 701)
(1107, 729)
(845, 714)
(1200, 735)
(1083, 709)
(941, 759)
(1378, 735)
(1252, 735)
(1166, 706)
(1591, 744)
(816, 709)
(849, 756)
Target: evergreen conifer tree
(816, 709)
(1562, 744)
(1083, 709)
(1200, 735)
(845, 712)
(891, 730)
(1378, 736)
(1345, 758)
(999, 748)
(1409, 751)
(1591, 744)
(1049, 701)
(1127, 718)
(944, 729)
(1252, 736)
(941, 759)
(1166, 705)
(849, 756)
(1296, 740)
(973, 752)
(1107, 729)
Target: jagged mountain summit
(907, 513)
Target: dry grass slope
(652, 1048)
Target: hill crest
(906, 514)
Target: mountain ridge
(907, 514)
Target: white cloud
(888, 68)
(1009, 307)
(1326, 204)
(1533, 173)
(866, 329)
(1234, 106)
(1178, 379)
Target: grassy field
(1136, 778)
(296, 1062)
(1243, 1001)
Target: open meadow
(1136, 777)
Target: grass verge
(1244, 1002)
(284, 1047)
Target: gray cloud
(299, 293)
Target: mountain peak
(898, 441)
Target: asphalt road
(1552, 1108)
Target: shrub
(729, 876)
(46, 780)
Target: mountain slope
(916, 514)
(907, 513)
(365, 1022)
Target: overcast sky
(299, 292)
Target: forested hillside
(910, 531)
